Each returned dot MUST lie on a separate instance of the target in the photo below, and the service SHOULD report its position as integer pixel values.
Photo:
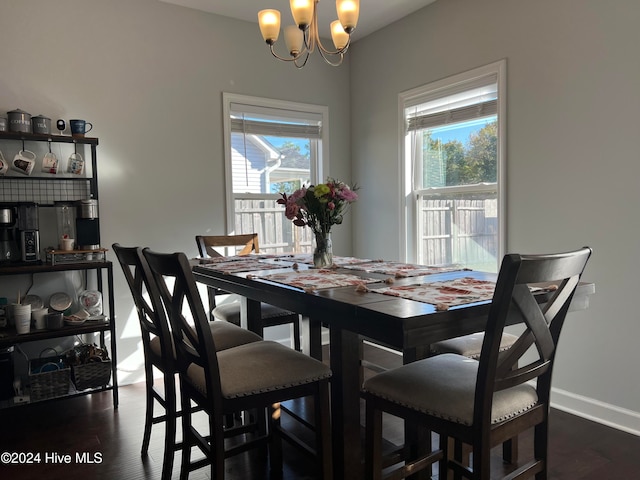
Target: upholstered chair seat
(226, 335)
(444, 386)
(257, 368)
(469, 345)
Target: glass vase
(323, 254)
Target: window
(270, 147)
(454, 159)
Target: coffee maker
(29, 231)
(9, 251)
(88, 225)
(19, 235)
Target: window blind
(253, 119)
(255, 127)
(463, 101)
(456, 115)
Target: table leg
(251, 316)
(345, 404)
(312, 329)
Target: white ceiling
(374, 14)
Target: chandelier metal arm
(327, 54)
(326, 58)
(312, 38)
(294, 58)
(300, 65)
(285, 59)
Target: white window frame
(319, 169)
(408, 214)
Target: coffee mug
(24, 162)
(75, 164)
(4, 166)
(50, 163)
(79, 127)
(66, 244)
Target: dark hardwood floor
(89, 426)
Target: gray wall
(150, 77)
(572, 158)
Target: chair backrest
(151, 314)
(515, 302)
(179, 294)
(207, 244)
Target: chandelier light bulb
(293, 39)
(339, 36)
(269, 21)
(302, 11)
(348, 12)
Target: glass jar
(66, 221)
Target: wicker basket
(91, 374)
(49, 377)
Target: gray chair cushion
(260, 367)
(470, 345)
(225, 335)
(230, 312)
(444, 386)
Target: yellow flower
(321, 190)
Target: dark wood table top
(379, 317)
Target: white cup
(50, 163)
(24, 161)
(66, 244)
(39, 318)
(22, 318)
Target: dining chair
(256, 376)
(248, 243)
(483, 403)
(159, 352)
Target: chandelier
(303, 38)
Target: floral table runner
(310, 280)
(297, 257)
(344, 261)
(239, 265)
(399, 270)
(444, 294)
(236, 258)
(307, 258)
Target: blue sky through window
(460, 131)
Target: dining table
(397, 305)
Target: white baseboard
(597, 411)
